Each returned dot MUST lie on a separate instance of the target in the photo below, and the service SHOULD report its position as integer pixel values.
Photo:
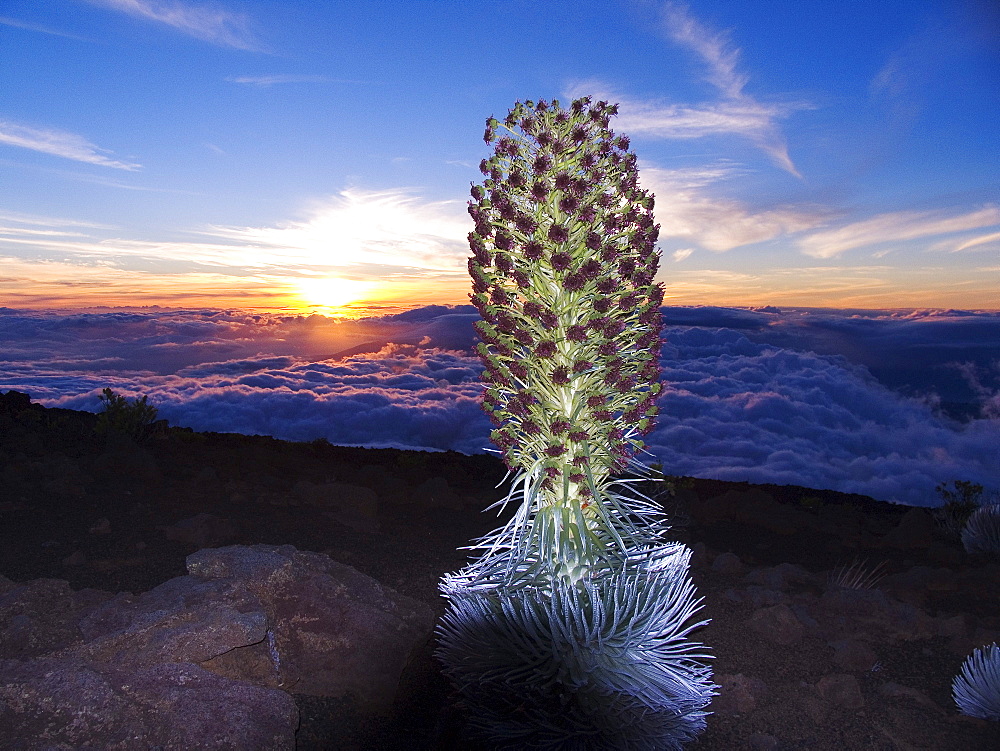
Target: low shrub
(132, 419)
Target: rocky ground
(803, 661)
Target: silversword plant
(569, 628)
(976, 690)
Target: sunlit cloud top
(258, 155)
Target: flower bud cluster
(562, 267)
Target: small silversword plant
(568, 629)
(976, 690)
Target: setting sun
(331, 292)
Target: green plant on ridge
(960, 500)
(120, 416)
(568, 629)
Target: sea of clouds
(884, 403)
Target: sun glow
(331, 292)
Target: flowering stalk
(562, 268)
(569, 629)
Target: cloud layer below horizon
(845, 400)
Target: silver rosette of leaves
(569, 627)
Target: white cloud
(746, 396)
(267, 81)
(895, 227)
(211, 23)
(685, 208)
(18, 24)
(736, 112)
(682, 253)
(976, 242)
(374, 234)
(59, 143)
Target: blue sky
(317, 156)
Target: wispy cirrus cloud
(268, 81)
(899, 226)
(59, 143)
(686, 208)
(210, 23)
(28, 26)
(735, 113)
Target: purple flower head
(628, 301)
(544, 137)
(506, 209)
(609, 253)
(563, 181)
(591, 269)
(559, 146)
(650, 317)
(580, 461)
(555, 450)
(569, 204)
(525, 223)
(539, 190)
(579, 134)
(503, 262)
(605, 200)
(561, 261)
(542, 105)
(526, 398)
(560, 376)
(623, 143)
(607, 349)
(484, 167)
(558, 233)
(562, 116)
(495, 174)
(541, 164)
(626, 267)
(530, 427)
(520, 278)
(603, 415)
(588, 160)
(549, 319)
(524, 337)
(607, 285)
(576, 333)
(581, 365)
(625, 385)
(479, 301)
(528, 124)
(559, 427)
(507, 145)
(532, 309)
(593, 241)
(517, 179)
(552, 472)
(574, 282)
(577, 478)
(518, 370)
(533, 250)
(504, 242)
(477, 192)
(647, 340)
(602, 304)
(545, 349)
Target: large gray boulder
(203, 660)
